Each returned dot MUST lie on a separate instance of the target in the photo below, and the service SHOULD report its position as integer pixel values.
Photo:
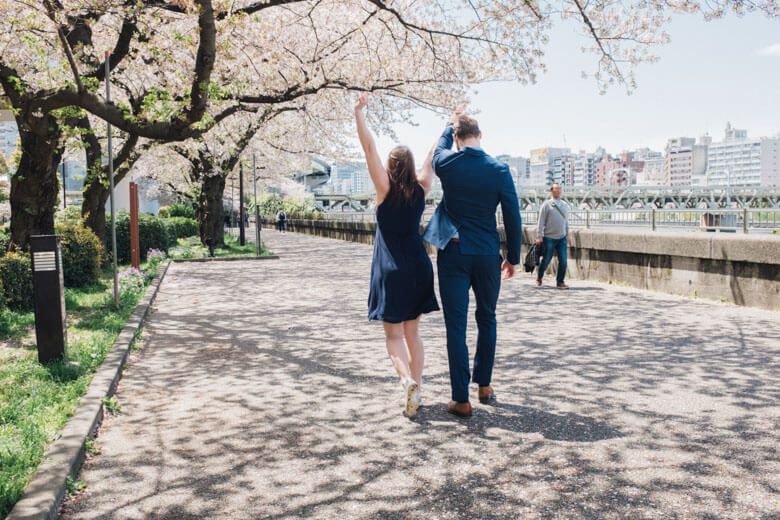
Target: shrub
(178, 210)
(16, 278)
(5, 239)
(82, 254)
(155, 256)
(69, 215)
(131, 284)
(152, 231)
(180, 227)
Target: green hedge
(5, 239)
(16, 279)
(180, 227)
(153, 234)
(178, 210)
(82, 255)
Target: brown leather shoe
(562, 286)
(486, 394)
(538, 282)
(459, 409)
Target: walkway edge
(44, 494)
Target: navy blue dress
(401, 271)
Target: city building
(742, 161)
(584, 169)
(684, 161)
(9, 135)
(542, 164)
(350, 178)
(652, 173)
(520, 168)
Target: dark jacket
(474, 184)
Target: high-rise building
(741, 161)
(351, 177)
(684, 161)
(520, 168)
(541, 165)
(652, 174)
(584, 169)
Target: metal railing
(745, 220)
(732, 220)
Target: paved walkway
(262, 392)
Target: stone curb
(227, 259)
(43, 496)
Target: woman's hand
(362, 102)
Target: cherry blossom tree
(187, 65)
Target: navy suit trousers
(457, 274)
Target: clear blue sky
(710, 73)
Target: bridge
(606, 197)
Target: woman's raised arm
(426, 173)
(375, 168)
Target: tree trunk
(34, 187)
(210, 211)
(93, 208)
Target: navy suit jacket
(474, 184)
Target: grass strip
(37, 400)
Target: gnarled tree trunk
(210, 211)
(34, 186)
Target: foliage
(131, 284)
(152, 231)
(192, 248)
(37, 400)
(295, 208)
(82, 254)
(5, 239)
(155, 256)
(178, 210)
(16, 278)
(69, 215)
(180, 227)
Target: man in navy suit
(463, 229)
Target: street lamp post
(64, 185)
(257, 209)
(111, 186)
(241, 233)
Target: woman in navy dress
(401, 271)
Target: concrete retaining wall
(736, 268)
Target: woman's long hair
(403, 175)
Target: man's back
(474, 184)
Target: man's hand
(508, 270)
(539, 241)
(459, 111)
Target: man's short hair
(554, 184)
(467, 127)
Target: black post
(49, 297)
(241, 234)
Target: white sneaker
(413, 399)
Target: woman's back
(397, 216)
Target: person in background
(552, 231)
(281, 221)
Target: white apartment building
(541, 165)
(684, 160)
(652, 173)
(584, 169)
(741, 161)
